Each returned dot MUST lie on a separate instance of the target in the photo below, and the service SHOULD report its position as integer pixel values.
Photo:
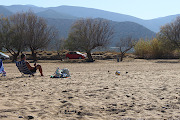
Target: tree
(38, 33)
(18, 25)
(59, 47)
(125, 45)
(12, 34)
(5, 32)
(170, 34)
(88, 34)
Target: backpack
(61, 73)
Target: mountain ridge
(83, 12)
(62, 20)
(49, 13)
(4, 11)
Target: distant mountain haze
(24, 8)
(4, 11)
(82, 12)
(63, 17)
(72, 11)
(121, 29)
(54, 14)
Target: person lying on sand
(32, 69)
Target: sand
(146, 89)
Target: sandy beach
(145, 90)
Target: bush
(150, 49)
(141, 48)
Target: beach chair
(22, 67)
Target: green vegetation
(149, 49)
(165, 45)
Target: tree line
(26, 31)
(166, 44)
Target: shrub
(156, 48)
(141, 48)
(150, 49)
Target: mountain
(4, 11)
(24, 8)
(63, 25)
(153, 24)
(63, 17)
(82, 12)
(53, 14)
(156, 23)
(125, 29)
(122, 29)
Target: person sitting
(32, 69)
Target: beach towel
(61, 73)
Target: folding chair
(22, 67)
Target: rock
(20, 117)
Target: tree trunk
(60, 56)
(15, 57)
(90, 59)
(122, 56)
(34, 56)
(14, 54)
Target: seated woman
(32, 69)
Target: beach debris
(64, 101)
(127, 95)
(61, 73)
(20, 117)
(106, 87)
(79, 113)
(70, 97)
(117, 72)
(30, 117)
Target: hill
(4, 11)
(153, 24)
(64, 16)
(54, 14)
(82, 12)
(122, 29)
(24, 8)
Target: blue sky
(144, 9)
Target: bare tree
(18, 26)
(59, 46)
(88, 34)
(38, 33)
(5, 32)
(125, 45)
(12, 34)
(170, 33)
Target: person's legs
(40, 69)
